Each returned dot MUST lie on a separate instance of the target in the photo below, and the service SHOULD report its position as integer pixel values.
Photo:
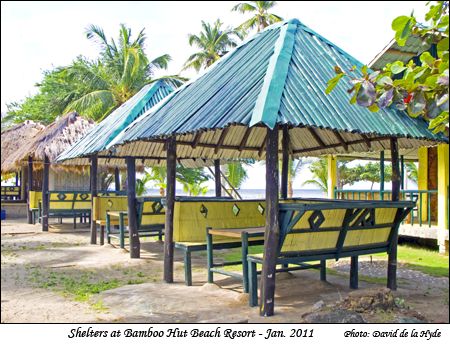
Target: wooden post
(332, 175)
(93, 178)
(45, 201)
(272, 225)
(217, 178)
(443, 182)
(381, 174)
(29, 188)
(17, 178)
(402, 172)
(171, 162)
(135, 245)
(392, 256)
(422, 183)
(117, 179)
(285, 164)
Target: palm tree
(319, 169)
(213, 42)
(121, 71)
(294, 169)
(261, 17)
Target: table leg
(108, 228)
(210, 260)
(122, 231)
(244, 238)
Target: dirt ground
(43, 277)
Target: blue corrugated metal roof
(101, 135)
(277, 76)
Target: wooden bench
(104, 204)
(331, 230)
(151, 220)
(68, 204)
(193, 215)
(10, 192)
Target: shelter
(265, 100)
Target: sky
(38, 36)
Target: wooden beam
(334, 145)
(392, 255)
(170, 203)
(402, 172)
(263, 146)
(29, 188)
(217, 178)
(272, 225)
(93, 178)
(45, 200)
(367, 141)
(223, 134)
(317, 137)
(381, 174)
(117, 179)
(341, 140)
(135, 245)
(244, 139)
(285, 163)
(196, 139)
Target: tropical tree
(261, 17)
(213, 43)
(419, 88)
(371, 172)
(412, 172)
(192, 180)
(236, 173)
(294, 168)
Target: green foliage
(372, 172)
(421, 90)
(236, 174)
(94, 88)
(192, 180)
(412, 171)
(261, 17)
(213, 42)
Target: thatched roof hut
(50, 142)
(14, 138)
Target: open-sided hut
(266, 100)
(41, 151)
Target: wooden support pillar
(45, 200)
(93, 181)
(381, 174)
(402, 172)
(170, 203)
(392, 255)
(17, 179)
(29, 188)
(285, 164)
(135, 245)
(443, 181)
(217, 178)
(117, 179)
(272, 225)
(332, 175)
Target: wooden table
(236, 233)
(121, 216)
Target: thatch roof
(50, 142)
(15, 138)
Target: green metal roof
(278, 76)
(101, 135)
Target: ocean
(252, 193)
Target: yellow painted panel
(310, 241)
(190, 225)
(443, 181)
(385, 215)
(102, 204)
(367, 236)
(332, 175)
(35, 197)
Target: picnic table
(236, 233)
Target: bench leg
(354, 272)
(252, 284)
(187, 268)
(102, 235)
(121, 231)
(108, 229)
(74, 222)
(209, 257)
(323, 270)
(244, 261)
(160, 235)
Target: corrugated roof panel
(102, 134)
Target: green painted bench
(331, 230)
(151, 220)
(69, 204)
(193, 215)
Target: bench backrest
(69, 200)
(10, 191)
(102, 204)
(191, 218)
(34, 197)
(151, 211)
(339, 228)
